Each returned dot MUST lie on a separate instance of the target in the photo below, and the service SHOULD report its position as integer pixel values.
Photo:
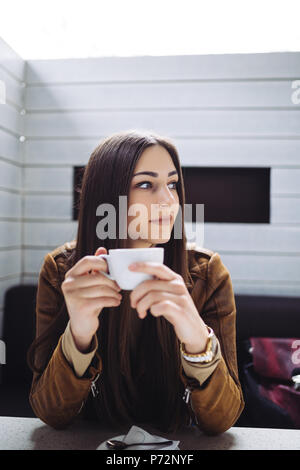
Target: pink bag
(276, 367)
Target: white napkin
(136, 434)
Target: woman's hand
(168, 295)
(86, 294)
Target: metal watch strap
(205, 357)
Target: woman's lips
(162, 220)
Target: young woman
(164, 353)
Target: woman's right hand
(86, 294)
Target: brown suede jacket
(58, 394)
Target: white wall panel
(180, 67)
(273, 268)
(11, 62)
(10, 262)
(10, 175)
(174, 123)
(10, 205)
(252, 238)
(10, 234)
(10, 146)
(11, 120)
(285, 210)
(14, 92)
(59, 152)
(6, 284)
(174, 95)
(197, 151)
(285, 181)
(49, 234)
(48, 206)
(33, 260)
(220, 110)
(267, 288)
(48, 179)
(11, 161)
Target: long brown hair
(140, 379)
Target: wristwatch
(206, 356)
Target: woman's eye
(139, 185)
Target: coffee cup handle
(106, 257)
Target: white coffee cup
(119, 259)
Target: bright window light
(41, 29)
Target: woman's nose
(165, 197)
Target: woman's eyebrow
(153, 173)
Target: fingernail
(133, 265)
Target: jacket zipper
(94, 389)
(95, 392)
(187, 398)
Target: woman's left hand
(168, 295)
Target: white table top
(32, 433)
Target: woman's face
(152, 196)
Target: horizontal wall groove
(47, 193)
(40, 248)
(10, 219)
(37, 220)
(47, 220)
(259, 253)
(11, 190)
(14, 105)
(51, 138)
(12, 75)
(29, 274)
(9, 131)
(285, 224)
(17, 163)
(50, 165)
(161, 81)
(282, 137)
(285, 195)
(164, 109)
(70, 165)
(10, 276)
(11, 248)
(288, 167)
